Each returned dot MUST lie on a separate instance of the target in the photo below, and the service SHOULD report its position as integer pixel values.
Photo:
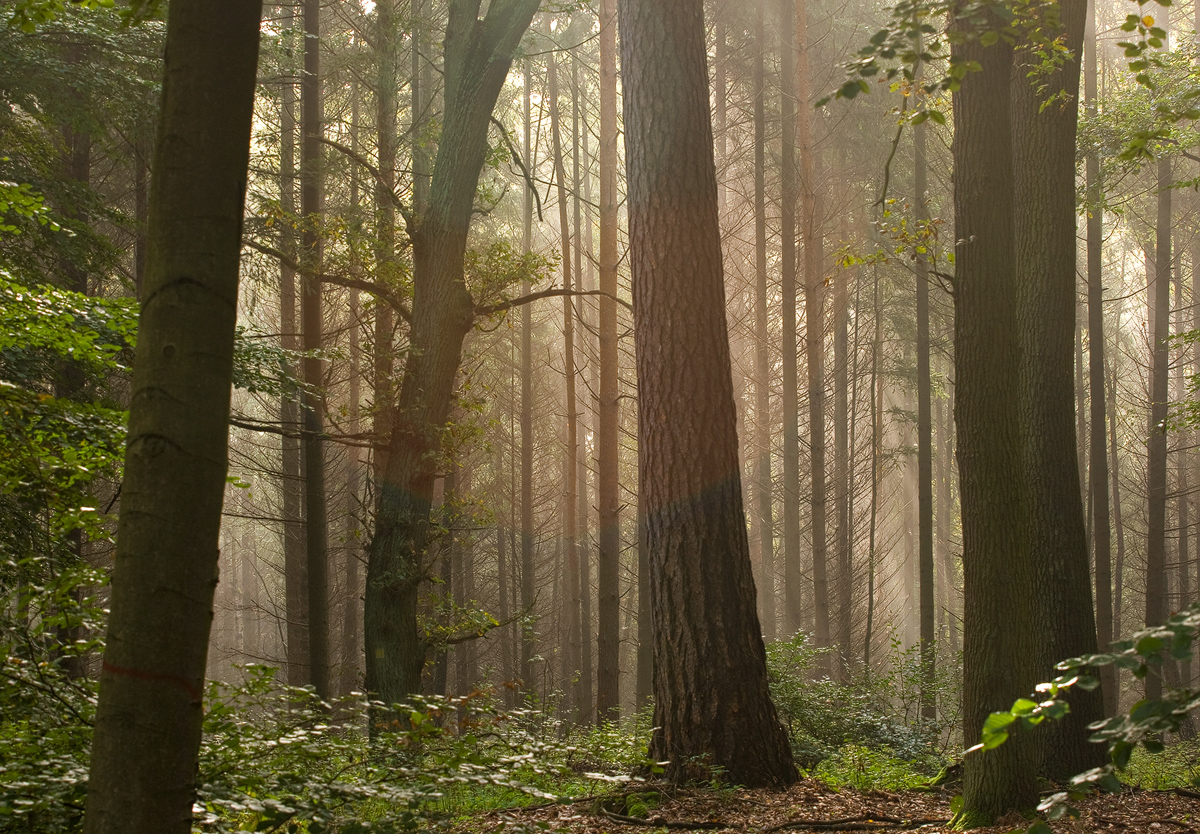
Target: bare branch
(491, 309)
(409, 223)
(380, 292)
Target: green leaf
(1039, 827)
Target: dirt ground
(812, 807)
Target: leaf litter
(811, 807)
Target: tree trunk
(711, 697)
(1156, 443)
(841, 469)
(147, 736)
(924, 442)
(526, 418)
(478, 55)
(1098, 470)
(295, 570)
(387, 37)
(607, 445)
(762, 362)
(1045, 247)
(999, 616)
(316, 529)
(793, 575)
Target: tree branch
(520, 164)
(409, 223)
(491, 309)
(382, 293)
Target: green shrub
(873, 711)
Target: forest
(599, 415)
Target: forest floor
(811, 806)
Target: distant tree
(147, 736)
(608, 501)
(710, 685)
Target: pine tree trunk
(148, 719)
(924, 443)
(295, 568)
(764, 488)
(607, 446)
(1098, 470)
(793, 575)
(1156, 443)
(526, 418)
(316, 529)
(711, 697)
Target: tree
(608, 561)
(478, 54)
(710, 685)
(316, 528)
(1044, 245)
(147, 736)
(997, 657)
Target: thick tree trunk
(607, 447)
(1045, 247)
(711, 697)
(478, 55)
(998, 662)
(147, 736)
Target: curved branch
(491, 309)
(409, 223)
(520, 164)
(380, 292)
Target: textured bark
(762, 364)
(1045, 246)
(997, 653)
(924, 444)
(387, 36)
(478, 55)
(316, 527)
(571, 636)
(147, 736)
(814, 337)
(1156, 443)
(295, 570)
(711, 699)
(526, 414)
(1098, 469)
(608, 499)
(793, 575)
(581, 193)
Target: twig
(871, 822)
(520, 164)
(658, 822)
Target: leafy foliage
(875, 711)
(1145, 724)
